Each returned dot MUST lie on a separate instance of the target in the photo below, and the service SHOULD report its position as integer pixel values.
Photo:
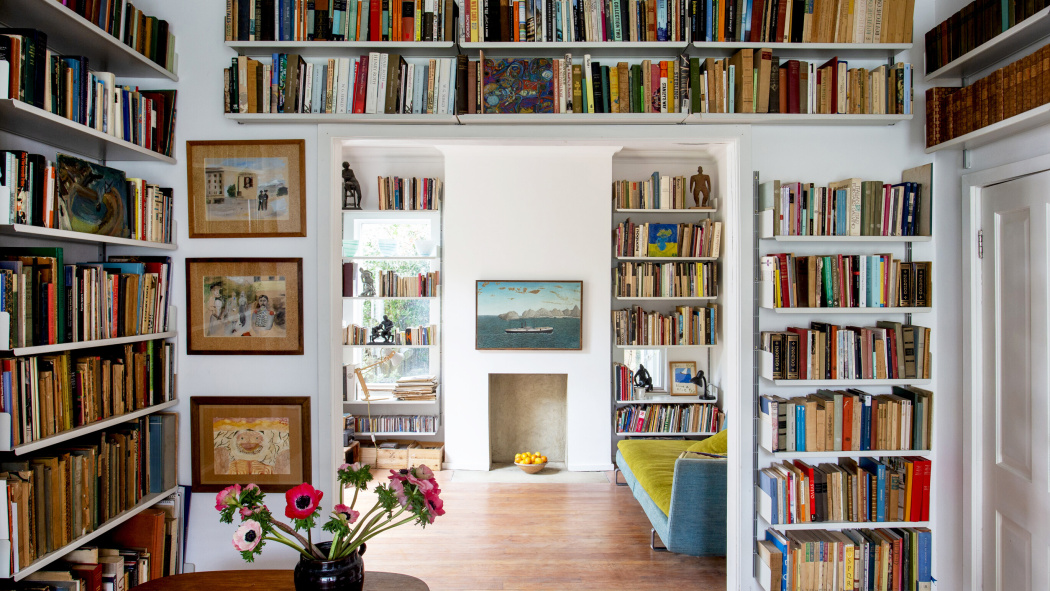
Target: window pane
(652, 359)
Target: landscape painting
(538, 315)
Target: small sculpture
(700, 381)
(351, 188)
(700, 183)
(642, 379)
(384, 330)
(368, 288)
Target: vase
(341, 574)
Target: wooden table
(271, 580)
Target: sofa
(683, 497)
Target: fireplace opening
(528, 413)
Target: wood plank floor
(537, 536)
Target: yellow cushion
(716, 444)
(652, 462)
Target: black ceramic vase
(342, 574)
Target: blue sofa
(695, 521)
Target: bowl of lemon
(530, 462)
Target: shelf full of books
(396, 424)
(842, 409)
(981, 35)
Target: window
(655, 362)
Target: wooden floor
(538, 536)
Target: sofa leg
(616, 478)
(652, 541)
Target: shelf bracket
(967, 159)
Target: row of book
(846, 281)
(389, 284)
(1008, 91)
(665, 280)
(422, 335)
(887, 351)
(974, 25)
(687, 325)
(396, 424)
(411, 193)
(871, 490)
(49, 394)
(847, 420)
(340, 20)
(65, 492)
(846, 560)
(66, 86)
(701, 239)
(623, 384)
(669, 418)
(852, 207)
(659, 191)
(52, 194)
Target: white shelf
(391, 402)
(1013, 40)
(666, 298)
(37, 124)
(847, 525)
(574, 119)
(833, 239)
(384, 258)
(333, 118)
(846, 383)
(666, 211)
(363, 298)
(844, 51)
(689, 434)
(44, 349)
(90, 428)
(311, 49)
(394, 433)
(885, 310)
(665, 346)
(145, 503)
(801, 455)
(69, 33)
(793, 119)
(374, 213)
(1030, 119)
(595, 49)
(381, 345)
(668, 259)
(68, 236)
(666, 399)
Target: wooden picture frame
(244, 306)
(529, 315)
(678, 375)
(246, 188)
(246, 439)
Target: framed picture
(244, 306)
(247, 188)
(681, 372)
(663, 240)
(529, 315)
(243, 439)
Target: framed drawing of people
(242, 439)
(244, 306)
(247, 188)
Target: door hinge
(980, 244)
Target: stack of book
(49, 394)
(687, 325)
(670, 280)
(889, 350)
(890, 489)
(788, 561)
(846, 281)
(847, 420)
(701, 239)
(339, 20)
(66, 86)
(49, 194)
(416, 388)
(659, 191)
(410, 193)
(669, 418)
(852, 207)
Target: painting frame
(266, 306)
(292, 411)
(557, 295)
(216, 212)
(681, 388)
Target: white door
(1015, 403)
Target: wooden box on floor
(387, 459)
(427, 453)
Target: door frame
(973, 186)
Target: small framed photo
(681, 372)
(247, 188)
(244, 439)
(244, 306)
(533, 315)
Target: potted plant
(409, 495)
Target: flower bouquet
(409, 495)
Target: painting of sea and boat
(538, 315)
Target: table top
(271, 580)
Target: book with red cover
(793, 69)
(757, 10)
(91, 574)
(145, 530)
(375, 20)
(782, 6)
(847, 422)
(808, 471)
(360, 84)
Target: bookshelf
(1008, 43)
(767, 317)
(70, 34)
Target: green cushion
(652, 462)
(716, 444)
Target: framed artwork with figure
(260, 439)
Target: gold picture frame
(246, 188)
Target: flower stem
(282, 540)
(380, 530)
(306, 543)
